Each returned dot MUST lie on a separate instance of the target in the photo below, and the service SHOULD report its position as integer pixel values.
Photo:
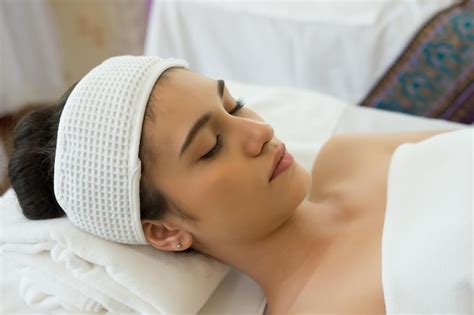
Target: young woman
(311, 240)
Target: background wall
(47, 45)
(91, 31)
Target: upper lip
(276, 158)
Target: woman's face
(229, 192)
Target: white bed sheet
(304, 120)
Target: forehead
(177, 101)
(180, 85)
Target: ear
(165, 237)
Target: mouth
(280, 152)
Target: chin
(300, 184)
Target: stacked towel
(66, 268)
(427, 239)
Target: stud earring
(179, 245)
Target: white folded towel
(46, 285)
(427, 263)
(87, 273)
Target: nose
(254, 135)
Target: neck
(282, 262)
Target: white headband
(96, 169)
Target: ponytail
(31, 168)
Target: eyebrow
(201, 122)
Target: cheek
(228, 189)
(226, 184)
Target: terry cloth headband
(96, 168)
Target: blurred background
(366, 53)
(49, 44)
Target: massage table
(301, 118)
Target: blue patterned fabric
(434, 76)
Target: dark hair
(31, 167)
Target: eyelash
(239, 104)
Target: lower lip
(284, 164)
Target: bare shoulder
(386, 141)
(343, 156)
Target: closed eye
(239, 104)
